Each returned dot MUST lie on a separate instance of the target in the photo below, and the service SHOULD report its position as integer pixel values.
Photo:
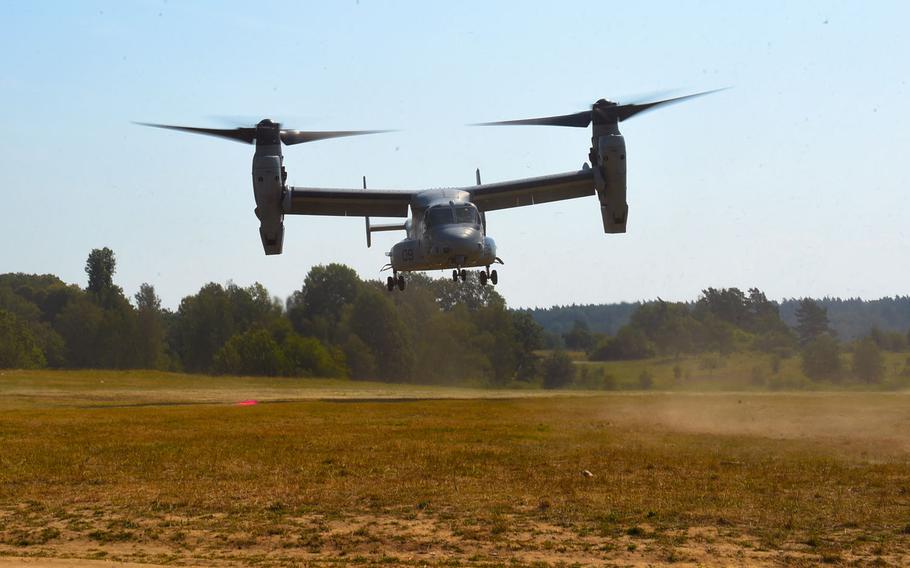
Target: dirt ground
(720, 479)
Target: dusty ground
(685, 479)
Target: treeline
(335, 325)
(850, 318)
(728, 320)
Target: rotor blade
(578, 120)
(239, 134)
(628, 111)
(291, 137)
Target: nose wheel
(397, 280)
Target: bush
(821, 358)
(558, 370)
(628, 344)
(868, 364)
(251, 353)
(307, 356)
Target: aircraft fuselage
(445, 230)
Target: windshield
(439, 216)
(466, 214)
(447, 215)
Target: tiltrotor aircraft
(447, 228)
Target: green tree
(18, 348)
(151, 343)
(821, 358)
(374, 319)
(100, 267)
(868, 364)
(528, 336)
(360, 359)
(317, 308)
(307, 356)
(470, 294)
(726, 304)
(579, 337)
(253, 352)
(670, 326)
(204, 323)
(812, 321)
(79, 324)
(558, 370)
(496, 340)
(206, 320)
(629, 343)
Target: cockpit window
(447, 214)
(466, 214)
(439, 216)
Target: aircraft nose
(459, 240)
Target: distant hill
(850, 318)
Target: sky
(794, 180)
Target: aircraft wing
(530, 191)
(347, 202)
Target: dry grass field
(165, 469)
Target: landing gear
(396, 280)
(485, 275)
(455, 275)
(464, 274)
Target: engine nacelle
(610, 182)
(268, 188)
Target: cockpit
(463, 214)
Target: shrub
(868, 364)
(628, 344)
(307, 356)
(558, 371)
(821, 358)
(251, 353)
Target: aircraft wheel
(494, 278)
(483, 278)
(390, 284)
(464, 274)
(455, 275)
(401, 282)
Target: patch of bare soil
(413, 539)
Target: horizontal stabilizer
(378, 228)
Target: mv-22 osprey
(447, 228)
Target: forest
(440, 331)
(335, 325)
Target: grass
(452, 477)
(749, 371)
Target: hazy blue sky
(794, 181)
